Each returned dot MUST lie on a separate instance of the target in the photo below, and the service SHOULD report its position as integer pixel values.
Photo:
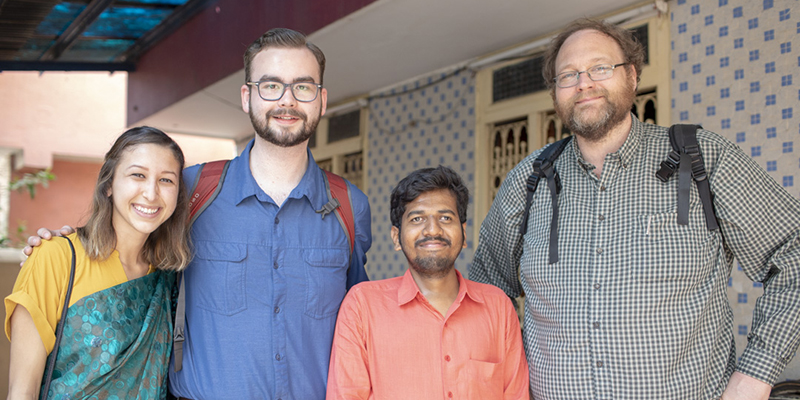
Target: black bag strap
(544, 167)
(686, 158)
(51, 363)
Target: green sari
(117, 343)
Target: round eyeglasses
(272, 91)
(597, 73)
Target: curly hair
(633, 50)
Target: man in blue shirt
(269, 273)
(261, 303)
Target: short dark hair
(285, 38)
(632, 50)
(426, 180)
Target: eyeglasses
(302, 91)
(597, 73)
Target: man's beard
(280, 136)
(432, 266)
(612, 113)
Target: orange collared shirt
(390, 343)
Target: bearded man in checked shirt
(636, 306)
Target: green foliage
(27, 182)
(30, 181)
(20, 235)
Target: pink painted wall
(65, 201)
(68, 121)
(76, 114)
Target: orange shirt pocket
(484, 380)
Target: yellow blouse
(42, 283)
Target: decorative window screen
(510, 142)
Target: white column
(5, 180)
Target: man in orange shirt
(430, 333)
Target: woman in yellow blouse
(117, 336)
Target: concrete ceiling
(388, 42)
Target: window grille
(510, 146)
(510, 142)
(353, 168)
(526, 77)
(326, 165)
(344, 126)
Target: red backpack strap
(338, 190)
(205, 189)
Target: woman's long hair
(165, 248)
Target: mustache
(286, 111)
(432, 238)
(593, 93)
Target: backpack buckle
(177, 336)
(668, 166)
(542, 168)
(698, 167)
(328, 208)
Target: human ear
(396, 238)
(245, 98)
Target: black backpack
(685, 158)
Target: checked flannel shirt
(637, 307)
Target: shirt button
(599, 363)
(596, 325)
(447, 358)
(277, 220)
(601, 217)
(597, 286)
(599, 251)
(277, 310)
(278, 357)
(450, 394)
(275, 266)
(602, 188)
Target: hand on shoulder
(44, 234)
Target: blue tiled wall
(422, 124)
(736, 71)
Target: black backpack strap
(51, 362)
(686, 158)
(544, 167)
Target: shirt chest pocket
(217, 277)
(483, 380)
(326, 275)
(662, 250)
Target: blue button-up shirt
(264, 288)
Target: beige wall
(9, 268)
